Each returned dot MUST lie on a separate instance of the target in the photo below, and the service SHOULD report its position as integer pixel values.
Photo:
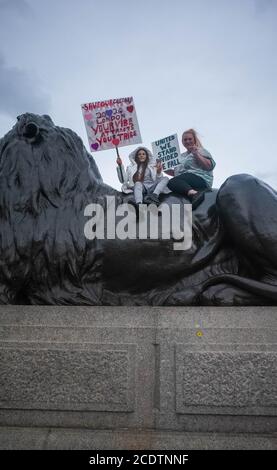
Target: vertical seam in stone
(46, 440)
(175, 376)
(156, 401)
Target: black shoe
(196, 199)
(136, 206)
(133, 203)
(152, 198)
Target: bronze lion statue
(47, 179)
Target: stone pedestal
(138, 377)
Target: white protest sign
(168, 151)
(111, 123)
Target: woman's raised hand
(195, 150)
(119, 161)
(159, 167)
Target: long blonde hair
(195, 136)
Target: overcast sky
(207, 64)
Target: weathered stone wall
(138, 377)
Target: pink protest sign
(111, 123)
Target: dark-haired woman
(143, 177)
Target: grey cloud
(20, 92)
(262, 6)
(20, 6)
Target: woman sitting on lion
(194, 175)
(143, 177)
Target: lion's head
(42, 164)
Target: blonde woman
(194, 175)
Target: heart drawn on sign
(130, 109)
(115, 142)
(88, 116)
(109, 112)
(94, 146)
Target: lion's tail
(255, 287)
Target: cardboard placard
(167, 150)
(111, 123)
